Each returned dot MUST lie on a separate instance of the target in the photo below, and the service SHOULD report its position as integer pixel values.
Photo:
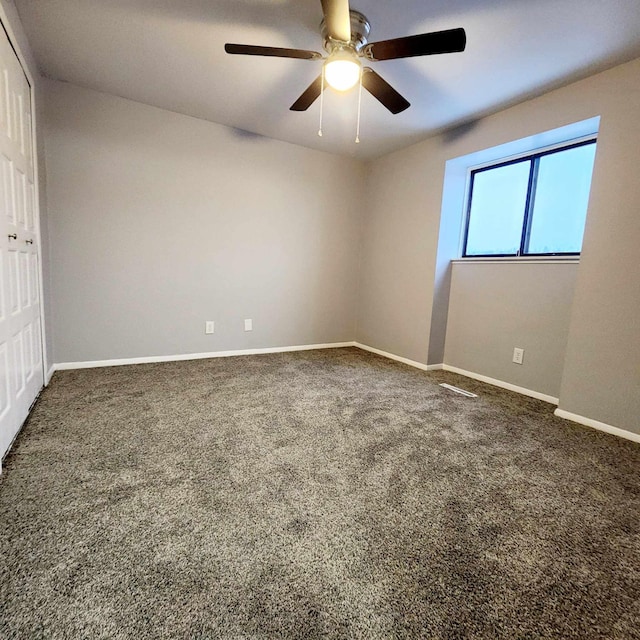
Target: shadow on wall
(247, 135)
(460, 131)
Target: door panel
(21, 375)
(13, 283)
(23, 270)
(18, 364)
(28, 357)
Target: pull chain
(359, 104)
(321, 102)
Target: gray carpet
(314, 494)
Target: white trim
(391, 356)
(51, 371)
(90, 364)
(589, 137)
(523, 260)
(16, 46)
(502, 384)
(600, 426)
(36, 186)
(36, 189)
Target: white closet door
(21, 375)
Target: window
(534, 206)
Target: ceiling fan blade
(309, 96)
(383, 91)
(337, 19)
(278, 52)
(425, 44)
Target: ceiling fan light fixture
(342, 70)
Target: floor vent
(462, 392)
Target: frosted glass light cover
(342, 74)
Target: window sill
(523, 260)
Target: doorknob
(29, 241)
(13, 235)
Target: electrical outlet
(518, 355)
(248, 324)
(209, 326)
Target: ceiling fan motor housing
(360, 29)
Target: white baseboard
(504, 385)
(561, 413)
(600, 426)
(392, 356)
(91, 364)
(51, 371)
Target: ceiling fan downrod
(360, 30)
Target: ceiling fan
(345, 34)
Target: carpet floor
(319, 494)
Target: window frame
(534, 159)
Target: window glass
(532, 206)
(497, 210)
(561, 198)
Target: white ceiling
(169, 53)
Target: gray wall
(496, 307)
(159, 222)
(399, 245)
(601, 377)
